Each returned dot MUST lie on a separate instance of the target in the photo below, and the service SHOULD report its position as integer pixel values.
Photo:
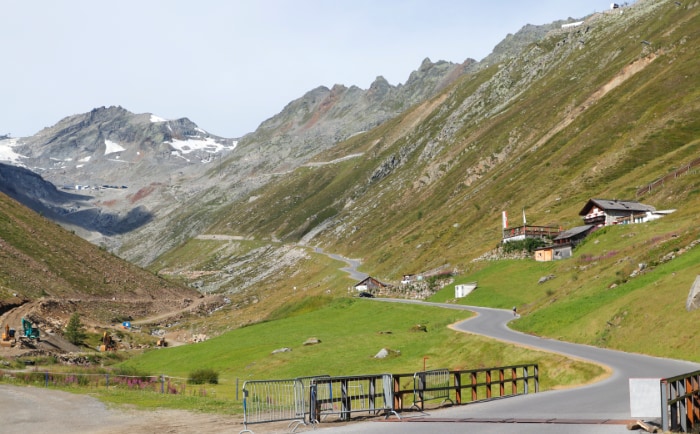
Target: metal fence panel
(431, 385)
(342, 396)
(273, 401)
(324, 393)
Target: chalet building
(597, 213)
(553, 252)
(564, 244)
(519, 233)
(604, 212)
(370, 284)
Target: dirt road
(37, 410)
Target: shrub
(528, 244)
(201, 376)
(75, 331)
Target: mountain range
(406, 178)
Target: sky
(228, 65)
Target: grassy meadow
(351, 332)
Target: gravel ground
(36, 410)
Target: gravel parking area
(36, 410)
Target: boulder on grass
(693, 301)
(385, 352)
(312, 341)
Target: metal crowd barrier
(680, 403)
(342, 396)
(431, 385)
(273, 401)
(323, 392)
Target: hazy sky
(228, 65)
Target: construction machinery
(161, 342)
(108, 343)
(28, 330)
(8, 337)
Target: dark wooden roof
(570, 233)
(616, 205)
(370, 281)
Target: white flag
(524, 220)
(505, 220)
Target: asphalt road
(596, 408)
(351, 268)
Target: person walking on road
(515, 311)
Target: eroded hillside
(46, 264)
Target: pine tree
(75, 332)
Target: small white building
(464, 289)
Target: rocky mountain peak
(379, 89)
(338, 89)
(322, 117)
(114, 163)
(111, 144)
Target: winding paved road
(351, 268)
(591, 405)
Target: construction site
(27, 334)
(32, 329)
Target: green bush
(201, 376)
(529, 244)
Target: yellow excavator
(8, 337)
(108, 343)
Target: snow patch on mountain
(7, 154)
(208, 145)
(155, 119)
(112, 147)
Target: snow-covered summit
(8, 154)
